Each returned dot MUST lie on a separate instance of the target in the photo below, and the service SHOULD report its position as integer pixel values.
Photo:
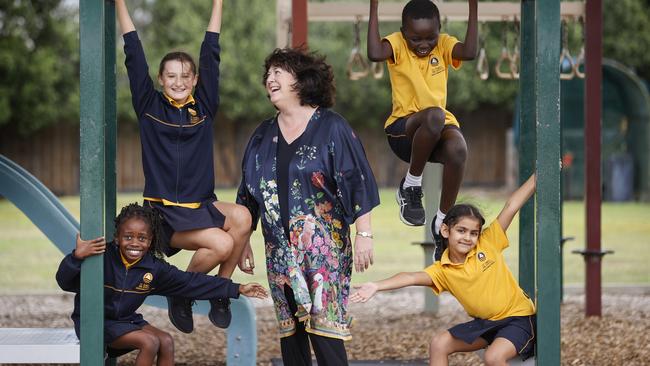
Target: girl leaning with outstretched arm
(473, 270)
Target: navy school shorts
(400, 143)
(114, 329)
(176, 218)
(520, 330)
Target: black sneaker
(220, 314)
(439, 246)
(180, 313)
(409, 200)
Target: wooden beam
(487, 12)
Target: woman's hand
(247, 261)
(363, 254)
(87, 248)
(364, 292)
(253, 290)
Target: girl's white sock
(439, 217)
(412, 181)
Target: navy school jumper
(176, 140)
(126, 289)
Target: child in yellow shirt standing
(420, 128)
(474, 271)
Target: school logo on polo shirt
(480, 256)
(436, 66)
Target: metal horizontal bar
(487, 12)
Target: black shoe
(409, 200)
(220, 314)
(180, 313)
(439, 246)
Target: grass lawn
(28, 261)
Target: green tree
(39, 64)
(626, 33)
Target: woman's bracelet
(365, 234)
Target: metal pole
(92, 174)
(432, 178)
(110, 98)
(593, 82)
(527, 137)
(299, 21)
(547, 95)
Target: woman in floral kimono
(305, 174)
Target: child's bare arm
(378, 50)
(87, 248)
(123, 17)
(467, 50)
(215, 17)
(403, 279)
(253, 290)
(516, 200)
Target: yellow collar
(126, 263)
(190, 100)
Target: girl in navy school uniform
(176, 129)
(133, 270)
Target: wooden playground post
(299, 21)
(547, 118)
(593, 80)
(97, 106)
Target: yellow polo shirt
(420, 82)
(483, 284)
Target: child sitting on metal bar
(474, 271)
(133, 270)
(420, 128)
(176, 132)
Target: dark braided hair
(151, 217)
(456, 213)
(420, 9)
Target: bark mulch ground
(392, 326)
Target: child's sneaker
(409, 200)
(439, 246)
(220, 314)
(180, 313)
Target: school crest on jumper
(194, 118)
(146, 280)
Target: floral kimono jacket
(331, 185)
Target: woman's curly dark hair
(314, 77)
(151, 217)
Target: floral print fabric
(331, 185)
